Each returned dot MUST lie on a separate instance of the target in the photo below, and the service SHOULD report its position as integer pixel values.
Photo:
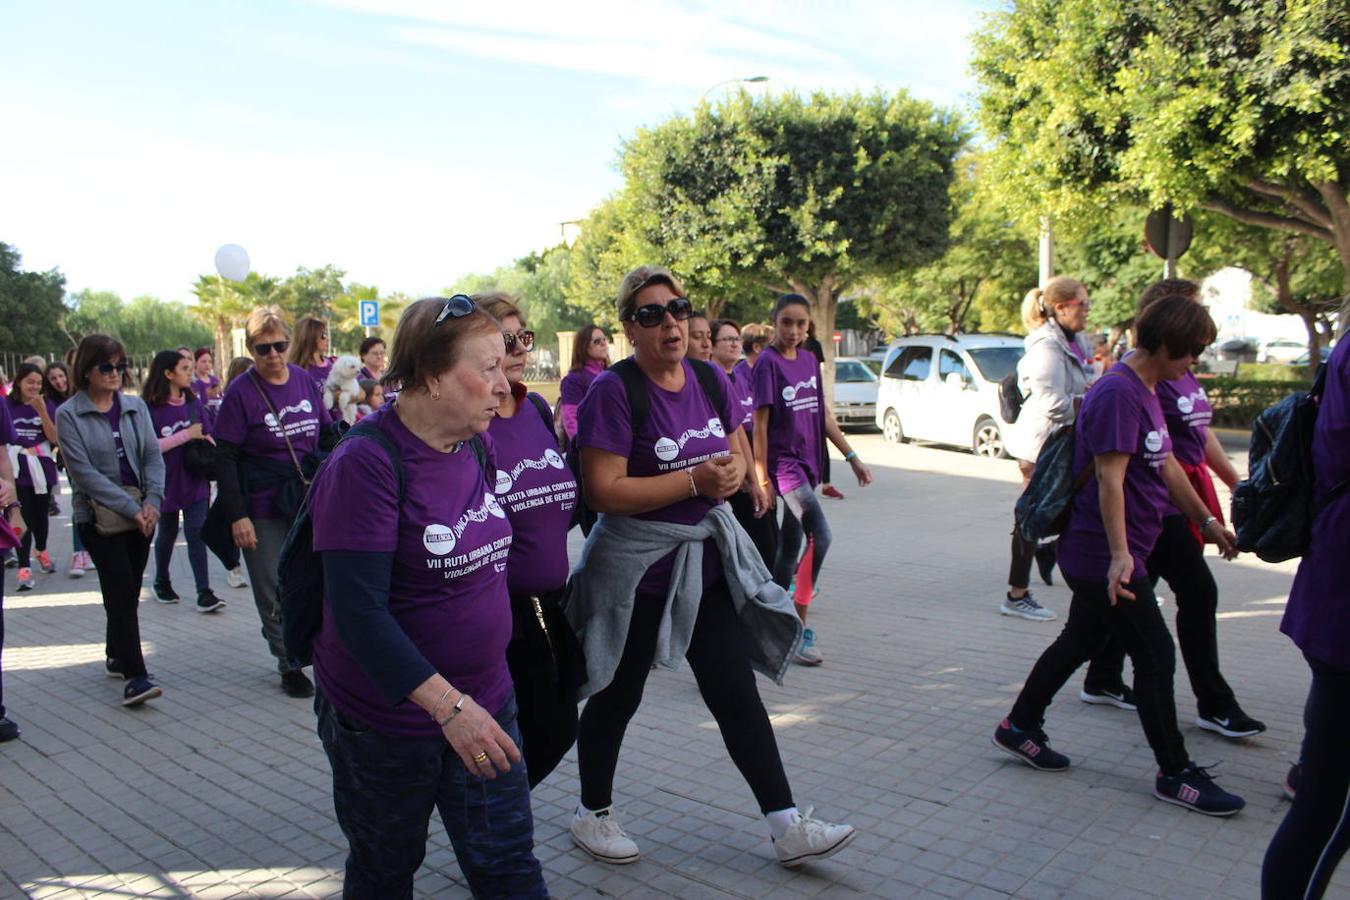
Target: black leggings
(35, 507)
(763, 531)
(1179, 559)
(120, 559)
(1316, 831)
(1138, 625)
(719, 654)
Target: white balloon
(232, 262)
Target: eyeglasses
(456, 307)
(522, 337)
(267, 349)
(109, 368)
(729, 339)
(599, 340)
(653, 314)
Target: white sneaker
(807, 839)
(235, 578)
(77, 566)
(1026, 607)
(600, 835)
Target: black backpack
(300, 587)
(1274, 508)
(1043, 509)
(1010, 397)
(639, 403)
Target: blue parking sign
(370, 313)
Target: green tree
(312, 292)
(1113, 263)
(93, 312)
(540, 281)
(149, 324)
(1241, 107)
(605, 250)
(31, 307)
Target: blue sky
(406, 141)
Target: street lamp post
(753, 79)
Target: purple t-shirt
(1119, 415)
(320, 372)
(114, 417)
(744, 389)
(538, 491)
(181, 488)
(791, 390)
(202, 388)
(1317, 616)
(682, 430)
(448, 591)
(7, 435)
(246, 421)
(28, 433)
(1188, 412)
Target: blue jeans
(801, 514)
(384, 788)
(193, 518)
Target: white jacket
(1050, 377)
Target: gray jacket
(619, 551)
(91, 456)
(1051, 377)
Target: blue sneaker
(139, 690)
(807, 654)
(1194, 788)
(1031, 747)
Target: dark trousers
(167, 536)
(763, 531)
(802, 518)
(1316, 831)
(719, 655)
(36, 508)
(120, 559)
(2, 647)
(384, 788)
(1023, 554)
(1179, 560)
(1139, 627)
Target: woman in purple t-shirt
(751, 503)
(34, 464)
(1115, 521)
(791, 424)
(414, 702)
(309, 349)
(374, 357)
(590, 357)
(674, 466)
(179, 417)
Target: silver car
(855, 392)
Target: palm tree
(224, 305)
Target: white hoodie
(1051, 376)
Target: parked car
(1302, 359)
(1282, 350)
(944, 389)
(855, 392)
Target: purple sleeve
(762, 386)
(571, 390)
(603, 418)
(360, 465)
(1111, 425)
(7, 435)
(231, 423)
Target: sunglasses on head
(266, 349)
(109, 368)
(456, 307)
(652, 314)
(523, 337)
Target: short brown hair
(95, 350)
(640, 278)
(1177, 323)
(262, 320)
(500, 305)
(1168, 287)
(717, 324)
(422, 349)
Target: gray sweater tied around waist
(619, 552)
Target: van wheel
(890, 427)
(988, 440)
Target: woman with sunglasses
(751, 503)
(272, 426)
(1052, 375)
(1114, 523)
(113, 460)
(790, 453)
(539, 493)
(667, 572)
(590, 357)
(309, 349)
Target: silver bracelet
(454, 711)
(437, 705)
(1208, 522)
(693, 487)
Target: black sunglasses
(523, 337)
(109, 368)
(652, 314)
(456, 307)
(266, 349)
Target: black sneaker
(139, 690)
(1120, 697)
(1045, 562)
(113, 669)
(11, 561)
(208, 602)
(9, 730)
(1236, 724)
(1031, 747)
(165, 593)
(1195, 789)
(1291, 780)
(296, 684)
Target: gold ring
(480, 757)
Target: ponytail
(1039, 304)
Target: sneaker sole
(25, 587)
(1015, 755)
(1106, 700)
(612, 860)
(1003, 610)
(1226, 732)
(79, 574)
(142, 697)
(1204, 812)
(806, 661)
(834, 848)
(219, 604)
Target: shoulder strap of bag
(635, 386)
(295, 460)
(707, 379)
(544, 412)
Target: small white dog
(343, 386)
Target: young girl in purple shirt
(31, 457)
(590, 357)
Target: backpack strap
(544, 412)
(479, 451)
(707, 379)
(635, 386)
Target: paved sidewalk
(221, 789)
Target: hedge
(1237, 401)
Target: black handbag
(199, 458)
(548, 668)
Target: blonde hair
(262, 320)
(1038, 304)
(305, 342)
(640, 278)
(500, 305)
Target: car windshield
(996, 363)
(850, 371)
